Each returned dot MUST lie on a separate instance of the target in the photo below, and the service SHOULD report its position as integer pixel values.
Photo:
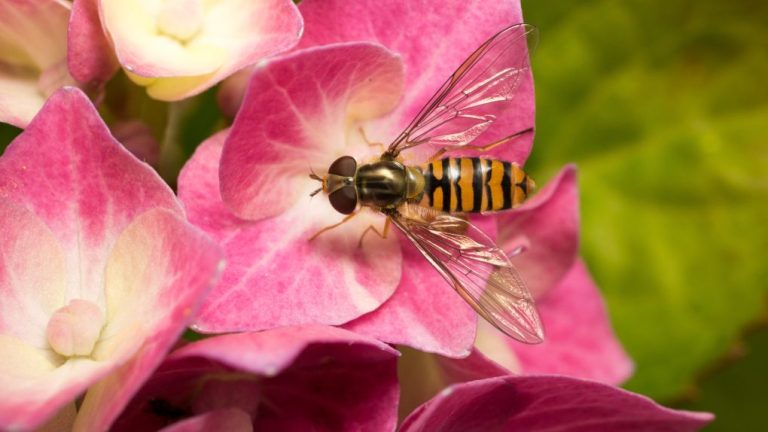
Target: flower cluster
(103, 266)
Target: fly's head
(339, 184)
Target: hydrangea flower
(293, 378)
(176, 48)
(99, 270)
(302, 111)
(33, 64)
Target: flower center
(180, 19)
(74, 329)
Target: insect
(427, 202)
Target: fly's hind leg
(383, 234)
(330, 227)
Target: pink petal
(274, 275)
(68, 170)
(89, 52)
(424, 313)
(285, 379)
(231, 419)
(433, 38)
(33, 41)
(297, 114)
(546, 403)
(580, 341)
(156, 274)
(548, 226)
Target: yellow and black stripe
(472, 185)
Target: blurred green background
(664, 107)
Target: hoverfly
(425, 202)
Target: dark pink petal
(433, 38)
(231, 420)
(274, 275)
(68, 170)
(89, 52)
(297, 114)
(547, 226)
(424, 313)
(286, 379)
(157, 271)
(546, 403)
(580, 340)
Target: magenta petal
(546, 403)
(296, 115)
(285, 379)
(274, 275)
(548, 226)
(85, 186)
(89, 52)
(580, 341)
(433, 38)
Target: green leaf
(7, 134)
(662, 106)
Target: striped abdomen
(474, 185)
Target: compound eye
(344, 200)
(345, 166)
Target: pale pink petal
(229, 419)
(157, 271)
(274, 275)
(86, 187)
(35, 383)
(580, 341)
(424, 313)
(179, 53)
(433, 38)
(27, 246)
(32, 56)
(286, 379)
(20, 99)
(298, 114)
(546, 403)
(547, 226)
(89, 53)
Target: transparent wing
(478, 270)
(474, 95)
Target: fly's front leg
(370, 143)
(383, 234)
(330, 227)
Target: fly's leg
(382, 234)
(370, 143)
(330, 227)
